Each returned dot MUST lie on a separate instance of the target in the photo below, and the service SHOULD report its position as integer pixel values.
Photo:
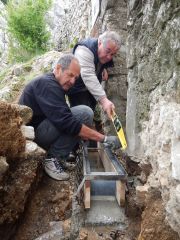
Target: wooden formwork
(113, 170)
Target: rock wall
(78, 24)
(3, 37)
(54, 19)
(113, 16)
(153, 99)
(75, 25)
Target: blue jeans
(57, 143)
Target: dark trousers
(82, 98)
(59, 144)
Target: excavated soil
(51, 203)
(12, 142)
(154, 225)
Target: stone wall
(153, 99)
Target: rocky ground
(51, 202)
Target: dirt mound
(12, 142)
(154, 225)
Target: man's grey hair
(66, 60)
(110, 36)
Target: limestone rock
(32, 149)
(28, 132)
(173, 208)
(141, 192)
(175, 159)
(17, 71)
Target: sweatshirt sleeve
(52, 102)
(86, 60)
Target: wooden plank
(108, 166)
(87, 194)
(120, 192)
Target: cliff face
(55, 19)
(153, 99)
(3, 37)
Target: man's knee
(88, 112)
(45, 134)
(83, 113)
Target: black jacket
(46, 98)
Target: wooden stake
(87, 194)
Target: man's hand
(104, 75)
(107, 106)
(112, 142)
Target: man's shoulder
(90, 43)
(84, 52)
(46, 76)
(44, 79)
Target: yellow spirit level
(118, 127)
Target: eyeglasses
(110, 52)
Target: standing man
(59, 128)
(94, 56)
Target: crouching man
(59, 128)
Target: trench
(53, 212)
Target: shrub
(27, 26)
(4, 1)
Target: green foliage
(4, 1)
(27, 28)
(19, 54)
(73, 43)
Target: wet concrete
(105, 211)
